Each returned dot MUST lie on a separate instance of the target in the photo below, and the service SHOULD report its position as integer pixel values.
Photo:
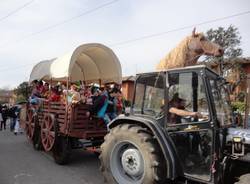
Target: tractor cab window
(187, 123)
(187, 99)
(221, 103)
(149, 95)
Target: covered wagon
(59, 127)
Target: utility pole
(247, 101)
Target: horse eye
(202, 38)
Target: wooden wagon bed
(77, 122)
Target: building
(128, 87)
(7, 96)
(236, 71)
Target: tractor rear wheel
(244, 179)
(130, 155)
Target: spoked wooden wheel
(48, 132)
(30, 124)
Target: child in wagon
(35, 94)
(72, 95)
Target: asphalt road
(21, 164)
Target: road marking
(19, 177)
(22, 174)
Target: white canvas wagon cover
(91, 62)
(41, 71)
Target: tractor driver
(177, 110)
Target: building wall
(7, 97)
(247, 68)
(131, 91)
(128, 90)
(243, 85)
(234, 75)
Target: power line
(16, 10)
(179, 29)
(65, 21)
(169, 31)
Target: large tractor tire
(244, 179)
(130, 155)
(62, 150)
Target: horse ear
(193, 32)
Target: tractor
(147, 145)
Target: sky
(32, 31)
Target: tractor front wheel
(130, 155)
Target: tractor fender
(174, 168)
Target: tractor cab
(167, 96)
(195, 89)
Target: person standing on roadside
(4, 116)
(16, 119)
(1, 116)
(12, 117)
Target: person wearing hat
(177, 110)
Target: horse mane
(177, 57)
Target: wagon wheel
(62, 148)
(48, 132)
(30, 124)
(37, 142)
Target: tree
(22, 91)
(228, 38)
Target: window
(149, 98)
(140, 89)
(222, 103)
(187, 93)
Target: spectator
(1, 116)
(12, 116)
(4, 117)
(17, 125)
